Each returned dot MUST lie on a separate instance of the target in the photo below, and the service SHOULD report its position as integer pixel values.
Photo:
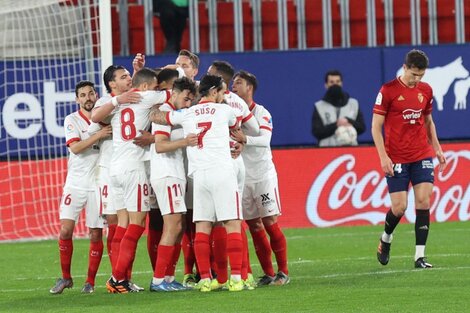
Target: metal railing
(343, 7)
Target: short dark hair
(166, 74)
(417, 58)
(192, 57)
(209, 82)
(185, 83)
(225, 69)
(250, 78)
(82, 84)
(109, 75)
(145, 75)
(333, 73)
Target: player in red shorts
(403, 108)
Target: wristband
(115, 102)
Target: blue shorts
(416, 173)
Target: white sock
(236, 278)
(419, 252)
(387, 238)
(169, 279)
(157, 281)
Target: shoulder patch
(378, 100)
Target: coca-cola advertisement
(325, 187)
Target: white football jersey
(168, 164)
(243, 113)
(81, 167)
(211, 122)
(258, 159)
(106, 145)
(126, 124)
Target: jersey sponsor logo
(427, 164)
(265, 200)
(410, 114)
(378, 100)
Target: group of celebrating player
(194, 157)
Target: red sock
(235, 252)
(279, 246)
(245, 256)
(219, 252)
(188, 252)
(116, 244)
(165, 256)
(263, 251)
(127, 251)
(96, 252)
(65, 251)
(153, 238)
(170, 270)
(109, 240)
(202, 251)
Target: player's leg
(422, 179)
(107, 207)
(155, 228)
(398, 190)
(71, 204)
(219, 252)
(202, 250)
(187, 243)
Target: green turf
(332, 270)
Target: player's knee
(255, 224)
(269, 220)
(422, 202)
(399, 208)
(66, 233)
(96, 235)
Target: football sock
(245, 255)
(171, 268)
(219, 252)
(116, 244)
(235, 253)
(279, 246)
(165, 256)
(153, 238)
(421, 231)
(127, 251)
(202, 251)
(188, 252)
(391, 221)
(95, 254)
(263, 251)
(65, 251)
(109, 240)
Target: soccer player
(261, 205)
(403, 108)
(189, 62)
(168, 178)
(118, 82)
(250, 126)
(128, 171)
(80, 189)
(216, 196)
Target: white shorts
(216, 196)
(132, 191)
(152, 196)
(106, 191)
(170, 193)
(189, 196)
(261, 199)
(239, 167)
(74, 200)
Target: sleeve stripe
(381, 112)
(71, 140)
(266, 127)
(247, 117)
(167, 117)
(159, 132)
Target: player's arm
(434, 141)
(77, 147)
(166, 118)
(250, 124)
(377, 124)
(100, 113)
(262, 140)
(164, 144)
(138, 63)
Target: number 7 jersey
(126, 123)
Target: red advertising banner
(345, 186)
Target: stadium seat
(358, 23)
(446, 21)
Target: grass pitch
(331, 270)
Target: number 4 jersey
(211, 122)
(127, 122)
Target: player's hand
(387, 166)
(342, 122)
(129, 97)
(139, 62)
(442, 160)
(238, 135)
(104, 132)
(145, 139)
(191, 140)
(236, 149)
